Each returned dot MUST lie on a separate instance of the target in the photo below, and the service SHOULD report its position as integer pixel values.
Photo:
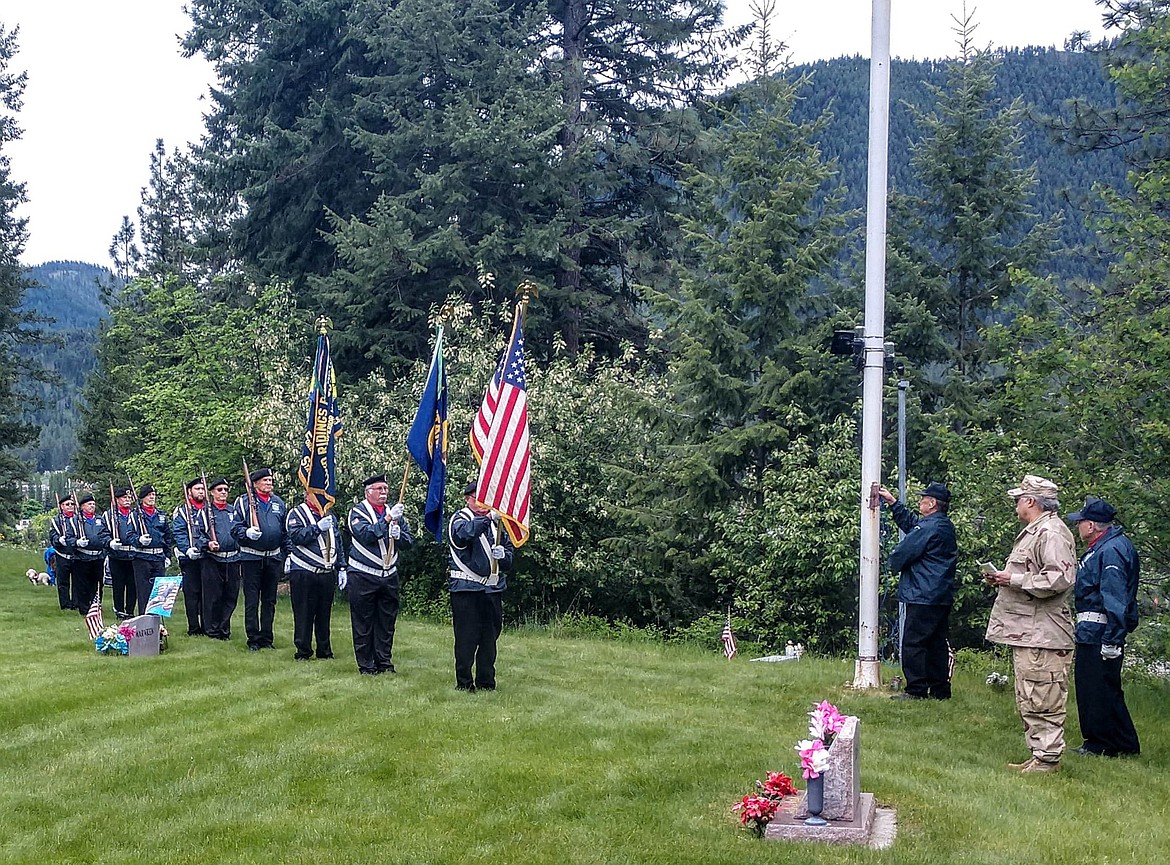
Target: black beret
(218, 482)
(145, 491)
(260, 474)
(374, 479)
(86, 497)
(62, 501)
(193, 481)
(121, 491)
(471, 487)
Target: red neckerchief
(123, 511)
(197, 505)
(379, 510)
(148, 511)
(222, 507)
(264, 497)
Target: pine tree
(17, 326)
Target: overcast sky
(105, 80)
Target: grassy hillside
(590, 752)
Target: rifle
(190, 531)
(210, 515)
(133, 492)
(250, 489)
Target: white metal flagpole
(867, 673)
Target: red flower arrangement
(756, 810)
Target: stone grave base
(787, 826)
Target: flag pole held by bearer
(500, 436)
(318, 467)
(427, 440)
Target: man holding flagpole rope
(484, 534)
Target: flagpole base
(867, 673)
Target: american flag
(728, 639)
(93, 619)
(499, 438)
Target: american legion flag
(318, 467)
(427, 440)
(728, 639)
(499, 438)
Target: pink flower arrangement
(756, 810)
(825, 722)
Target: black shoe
(389, 669)
(485, 687)
(253, 648)
(302, 657)
(370, 672)
(468, 688)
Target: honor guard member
(377, 534)
(1106, 604)
(62, 536)
(123, 525)
(151, 546)
(189, 526)
(261, 557)
(1031, 614)
(481, 555)
(221, 572)
(90, 548)
(312, 554)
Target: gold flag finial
(324, 324)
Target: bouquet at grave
(998, 681)
(756, 810)
(114, 640)
(825, 722)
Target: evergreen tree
(17, 326)
(960, 239)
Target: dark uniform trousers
(373, 610)
(1105, 721)
(925, 658)
(192, 571)
(478, 618)
(312, 605)
(260, 579)
(221, 593)
(122, 585)
(64, 572)
(145, 573)
(87, 577)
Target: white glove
(342, 579)
(61, 540)
(494, 516)
(395, 531)
(1110, 653)
(397, 511)
(192, 553)
(83, 542)
(326, 523)
(167, 562)
(116, 544)
(497, 552)
(253, 533)
(144, 540)
(287, 565)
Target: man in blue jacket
(927, 559)
(261, 539)
(1106, 605)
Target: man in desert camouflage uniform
(1031, 614)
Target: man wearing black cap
(122, 524)
(151, 546)
(927, 559)
(62, 535)
(189, 525)
(377, 533)
(313, 558)
(89, 551)
(1106, 605)
(221, 573)
(261, 540)
(480, 558)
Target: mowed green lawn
(590, 752)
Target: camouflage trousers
(1042, 698)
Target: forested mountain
(1042, 77)
(68, 292)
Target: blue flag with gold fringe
(318, 467)
(427, 441)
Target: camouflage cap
(1034, 485)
